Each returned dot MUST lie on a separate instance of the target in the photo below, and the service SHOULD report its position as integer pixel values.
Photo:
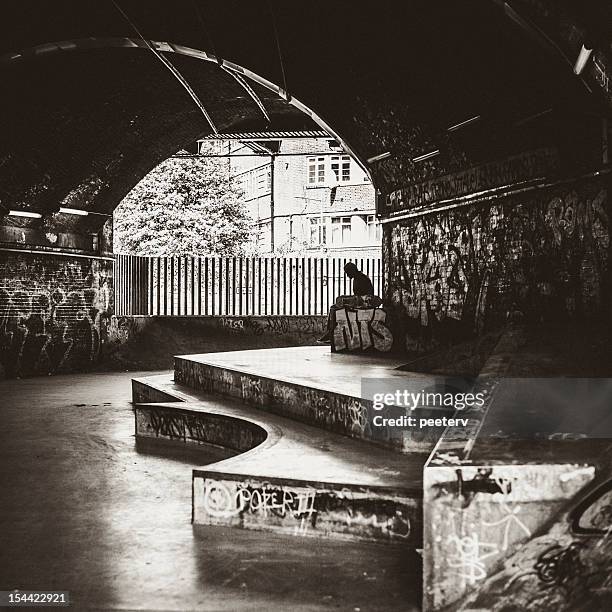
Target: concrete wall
(123, 328)
(56, 316)
(299, 328)
(516, 520)
(151, 343)
(540, 256)
(507, 542)
(54, 312)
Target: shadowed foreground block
(518, 505)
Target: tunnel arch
(352, 132)
(300, 117)
(363, 128)
(169, 47)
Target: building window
(373, 228)
(318, 231)
(316, 170)
(341, 168)
(262, 181)
(263, 234)
(341, 230)
(338, 169)
(255, 182)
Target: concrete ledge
(478, 515)
(145, 390)
(196, 427)
(308, 384)
(289, 477)
(305, 508)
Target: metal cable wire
(238, 78)
(173, 70)
(278, 49)
(206, 32)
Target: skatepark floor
(83, 510)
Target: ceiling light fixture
(429, 155)
(25, 213)
(73, 211)
(379, 157)
(458, 126)
(530, 118)
(583, 58)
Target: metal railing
(242, 286)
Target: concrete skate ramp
(285, 476)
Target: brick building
(318, 198)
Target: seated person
(363, 295)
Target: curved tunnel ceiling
(84, 124)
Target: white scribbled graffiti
(468, 554)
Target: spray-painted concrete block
(361, 329)
(305, 508)
(311, 400)
(475, 516)
(281, 475)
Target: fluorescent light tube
(73, 211)
(458, 126)
(583, 58)
(429, 155)
(25, 213)
(378, 158)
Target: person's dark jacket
(362, 285)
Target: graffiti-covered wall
(54, 312)
(540, 256)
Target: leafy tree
(184, 206)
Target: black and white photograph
(306, 306)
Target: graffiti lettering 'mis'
(358, 329)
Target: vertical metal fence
(242, 286)
(131, 281)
